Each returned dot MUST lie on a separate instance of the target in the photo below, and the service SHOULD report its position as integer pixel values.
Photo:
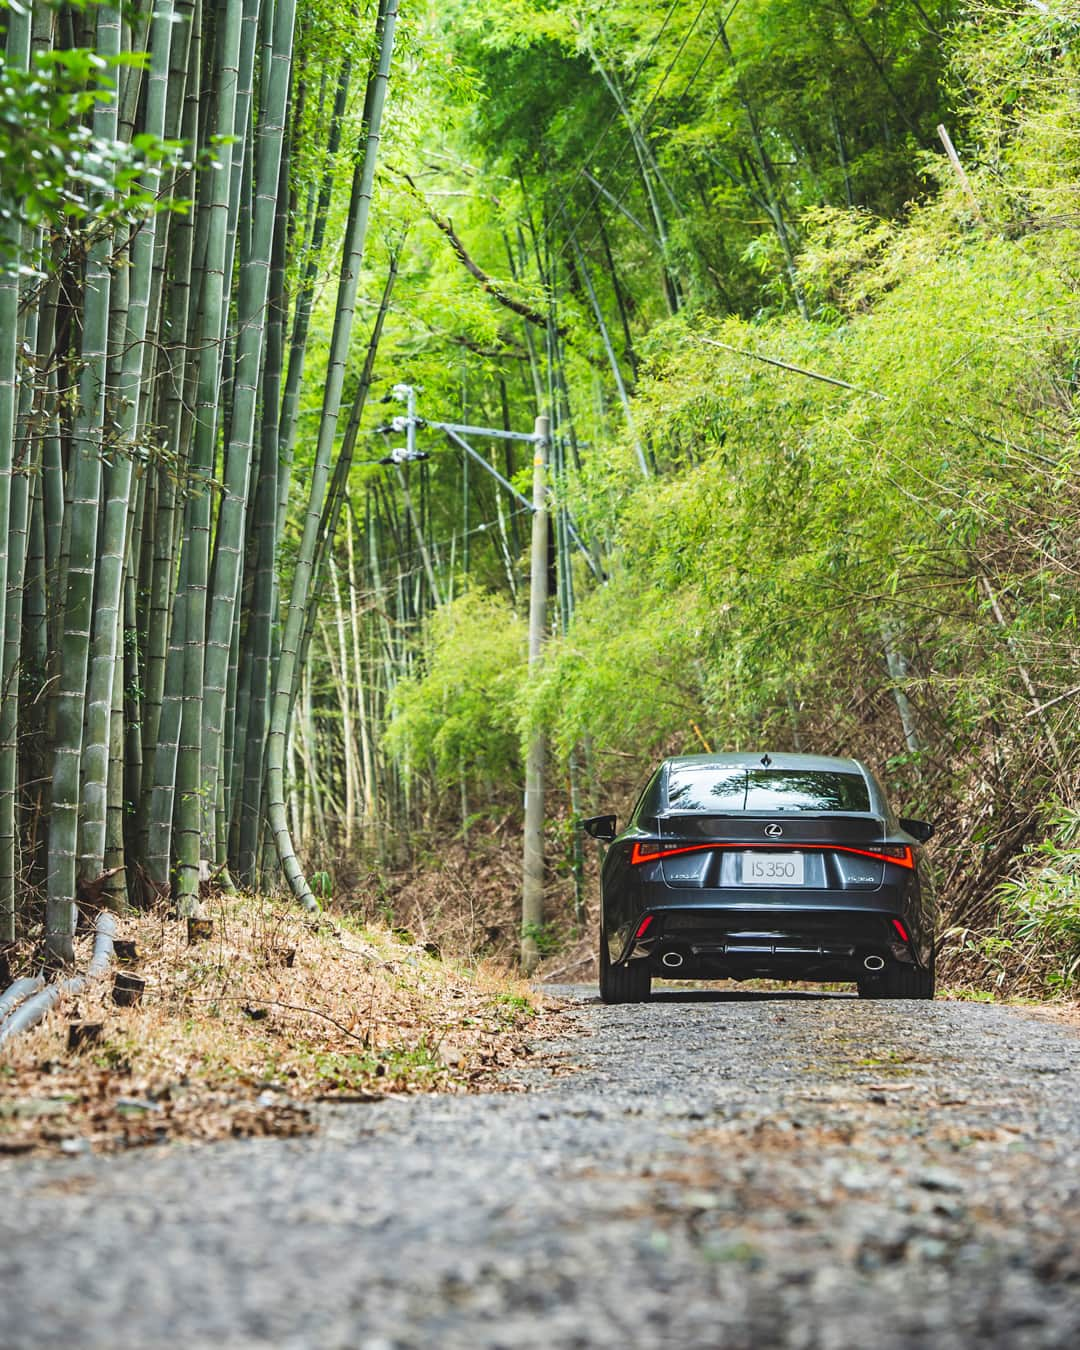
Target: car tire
(900, 981)
(623, 984)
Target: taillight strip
(656, 853)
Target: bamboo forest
(405, 414)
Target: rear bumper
(743, 941)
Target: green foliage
(53, 167)
(919, 498)
(545, 936)
(460, 714)
(1041, 905)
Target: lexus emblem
(774, 831)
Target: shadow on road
(747, 995)
(713, 995)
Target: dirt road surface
(707, 1170)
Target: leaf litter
(240, 1035)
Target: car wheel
(622, 984)
(900, 981)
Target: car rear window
(719, 789)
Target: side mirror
(921, 830)
(600, 827)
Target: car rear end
(770, 884)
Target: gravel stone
(722, 1169)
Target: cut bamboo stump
(82, 1034)
(127, 989)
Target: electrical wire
(486, 527)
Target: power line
(487, 527)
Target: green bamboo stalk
(158, 812)
(290, 401)
(85, 498)
(251, 317)
(256, 24)
(624, 398)
(339, 667)
(254, 677)
(356, 233)
(17, 55)
(115, 893)
(339, 484)
(173, 414)
(171, 225)
(191, 791)
(131, 737)
(114, 552)
(366, 768)
(17, 549)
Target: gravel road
(707, 1170)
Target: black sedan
(775, 866)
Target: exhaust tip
(874, 963)
(673, 960)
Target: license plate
(773, 869)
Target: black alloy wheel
(623, 984)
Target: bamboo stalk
(85, 506)
(356, 234)
(256, 259)
(194, 796)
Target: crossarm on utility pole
(460, 440)
(488, 433)
(453, 431)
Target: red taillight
(901, 930)
(649, 852)
(643, 926)
(899, 854)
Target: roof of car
(756, 759)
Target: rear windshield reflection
(706, 789)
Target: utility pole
(532, 891)
(532, 894)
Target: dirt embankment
(239, 1032)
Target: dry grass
(240, 1033)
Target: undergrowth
(240, 1033)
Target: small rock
(936, 1180)
(133, 1104)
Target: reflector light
(901, 930)
(898, 854)
(643, 926)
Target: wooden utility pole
(532, 896)
(532, 891)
